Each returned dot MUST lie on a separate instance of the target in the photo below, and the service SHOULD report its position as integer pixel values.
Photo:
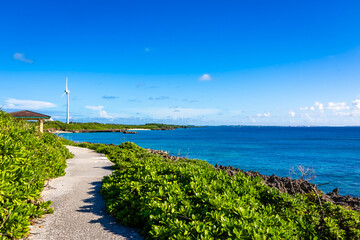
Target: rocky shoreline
(283, 184)
(164, 154)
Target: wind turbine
(67, 93)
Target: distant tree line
(57, 125)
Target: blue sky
(185, 62)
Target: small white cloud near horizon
(12, 103)
(356, 103)
(264, 114)
(292, 114)
(333, 110)
(205, 77)
(317, 106)
(320, 106)
(21, 57)
(337, 106)
(100, 109)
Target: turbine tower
(67, 109)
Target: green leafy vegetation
(189, 199)
(73, 126)
(27, 160)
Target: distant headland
(74, 127)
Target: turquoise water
(333, 152)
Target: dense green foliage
(57, 125)
(189, 199)
(27, 160)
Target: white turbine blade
(66, 89)
(63, 94)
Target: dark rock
(297, 186)
(129, 132)
(336, 191)
(164, 154)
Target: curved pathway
(79, 209)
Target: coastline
(272, 151)
(54, 126)
(59, 131)
(138, 129)
(283, 184)
(125, 130)
(183, 189)
(86, 131)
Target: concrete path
(79, 209)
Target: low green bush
(189, 199)
(27, 160)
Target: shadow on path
(106, 167)
(96, 205)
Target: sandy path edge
(79, 209)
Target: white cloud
(263, 114)
(205, 77)
(100, 109)
(12, 103)
(356, 103)
(354, 112)
(317, 105)
(332, 113)
(21, 57)
(337, 106)
(320, 106)
(292, 114)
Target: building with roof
(29, 115)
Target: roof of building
(29, 115)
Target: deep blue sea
(333, 152)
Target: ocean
(332, 152)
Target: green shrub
(189, 199)
(27, 160)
